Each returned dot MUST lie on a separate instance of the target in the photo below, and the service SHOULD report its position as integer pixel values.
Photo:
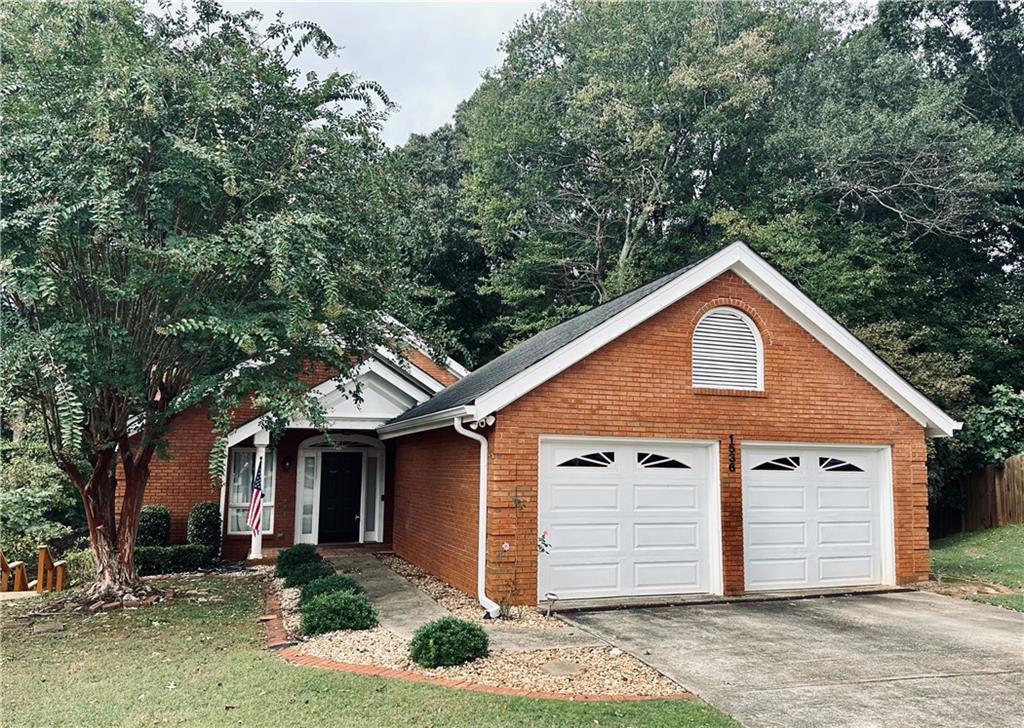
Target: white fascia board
(453, 366)
(770, 283)
(433, 421)
(431, 385)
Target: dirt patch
(462, 605)
(960, 589)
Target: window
(835, 465)
(787, 463)
(727, 351)
(243, 462)
(593, 460)
(651, 460)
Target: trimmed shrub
(170, 559)
(81, 567)
(338, 610)
(204, 527)
(289, 558)
(448, 641)
(305, 573)
(154, 526)
(328, 585)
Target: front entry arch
(339, 489)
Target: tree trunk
(112, 540)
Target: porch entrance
(341, 480)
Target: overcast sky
(428, 56)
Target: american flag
(255, 518)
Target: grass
(197, 662)
(994, 556)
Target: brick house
(713, 431)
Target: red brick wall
(437, 481)
(424, 362)
(639, 386)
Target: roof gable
(538, 359)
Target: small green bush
(329, 584)
(338, 610)
(289, 558)
(305, 573)
(81, 567)
(170, 559)
(204, 527)
(154, 526)
(447, 641)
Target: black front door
(341, 479)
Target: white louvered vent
(726, 351)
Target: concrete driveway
(906, 659)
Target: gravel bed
(462, 605)
(603, 670)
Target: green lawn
(995, 555)
(194, 663)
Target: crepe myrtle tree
(184, 220)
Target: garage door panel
(666, 576)
(586, 536)
(815, 524)
(585, 497)
(780, 533)
(648, 536)
(774, 498)
(652, 497)
(640, 529)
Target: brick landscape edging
(281, 646)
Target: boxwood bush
(154, 526)
(289, 558)
(448, 641)
(204, 528)
(337, 610)
(329, 584)
(170, 559)
(305, 573)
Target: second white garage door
(815, 517)
(626, 518)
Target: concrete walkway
(403, 608)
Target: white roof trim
(767, 281)
(369, 421)
(453, 366)
(433, 421)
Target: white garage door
(814, 517)
(624, 518)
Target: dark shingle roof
(495, 372)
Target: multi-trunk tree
(184, 220)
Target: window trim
(271, 464)
(758, 345)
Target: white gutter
(432, 421)
(493, 609)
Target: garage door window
(653, 460)
(591, 460)
(835, 465)
(787, 463)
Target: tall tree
(183, 219)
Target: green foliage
(329, 584)
(38, 506)
(190, 204)
(996, 431)
(81, 567)
(204, 527)
(170, 559)
(993, 555)
(448, 641)
(154, 526)
(302, 574)
(293, 556)
(338, 610)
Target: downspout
(492, 607)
